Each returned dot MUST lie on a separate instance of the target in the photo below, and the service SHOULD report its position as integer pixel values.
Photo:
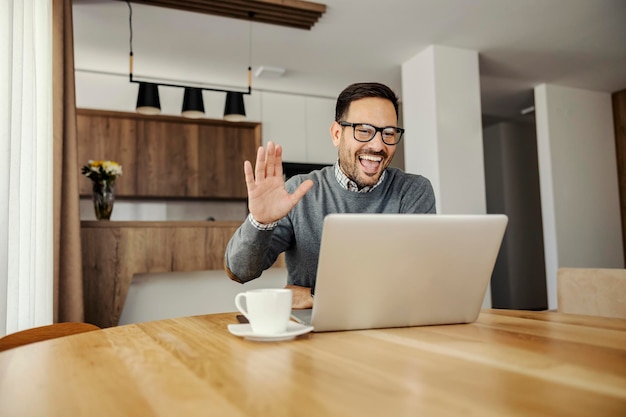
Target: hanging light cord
(251, 15)
(130, 25)
(130, 58)
(250, 40)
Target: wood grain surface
(508, 363)
(166, 156)
(113, 252)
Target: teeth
(371, 158)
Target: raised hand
(268, 200)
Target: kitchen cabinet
(113, 252)
(168, 156)
(284, 123)
(320, 115)
(104, 136)
(301, 125)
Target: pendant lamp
(234, 110)
(148, 99)
(193, 105)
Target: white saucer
(293, 329)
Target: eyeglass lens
(364, 133)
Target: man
(288, 217)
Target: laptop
(401, 270)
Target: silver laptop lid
(396, 270)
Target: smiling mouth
(370, 163)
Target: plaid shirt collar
(347, 184)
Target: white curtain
(26, 149)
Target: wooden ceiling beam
(291, 13)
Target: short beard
(344, 154)
(353, 175)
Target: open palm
(268, 199)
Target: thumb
(299, 192)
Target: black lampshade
(148, 99)
(193, 105)
(234, 110)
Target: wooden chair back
(592, 291)
(38, 334)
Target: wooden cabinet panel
(112, 252)
(222, 152)
(102, 137)
(167, 165)
(169, 157)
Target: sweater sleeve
(250, 251)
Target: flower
(102, 170)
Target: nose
(377, 142)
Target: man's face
(364, 162)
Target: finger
(259, 169)
(279, 161)
(248, 175)
(270, 157)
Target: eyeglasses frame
(377, 129)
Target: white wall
(132, 210)
(578, 178)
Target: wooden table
(508, 363)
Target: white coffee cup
(267, 310)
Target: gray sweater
(251, 251)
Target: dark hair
(363, 90)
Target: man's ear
(335, 133)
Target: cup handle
(238, 298)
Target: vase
(103, 198)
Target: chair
(38, 334)
(593, 292)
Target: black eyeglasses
(364, 133)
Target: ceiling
(291, 13)
(521, 43)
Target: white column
(578, 178)
(442, 117)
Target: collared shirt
(345, 183)
(261, 226)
